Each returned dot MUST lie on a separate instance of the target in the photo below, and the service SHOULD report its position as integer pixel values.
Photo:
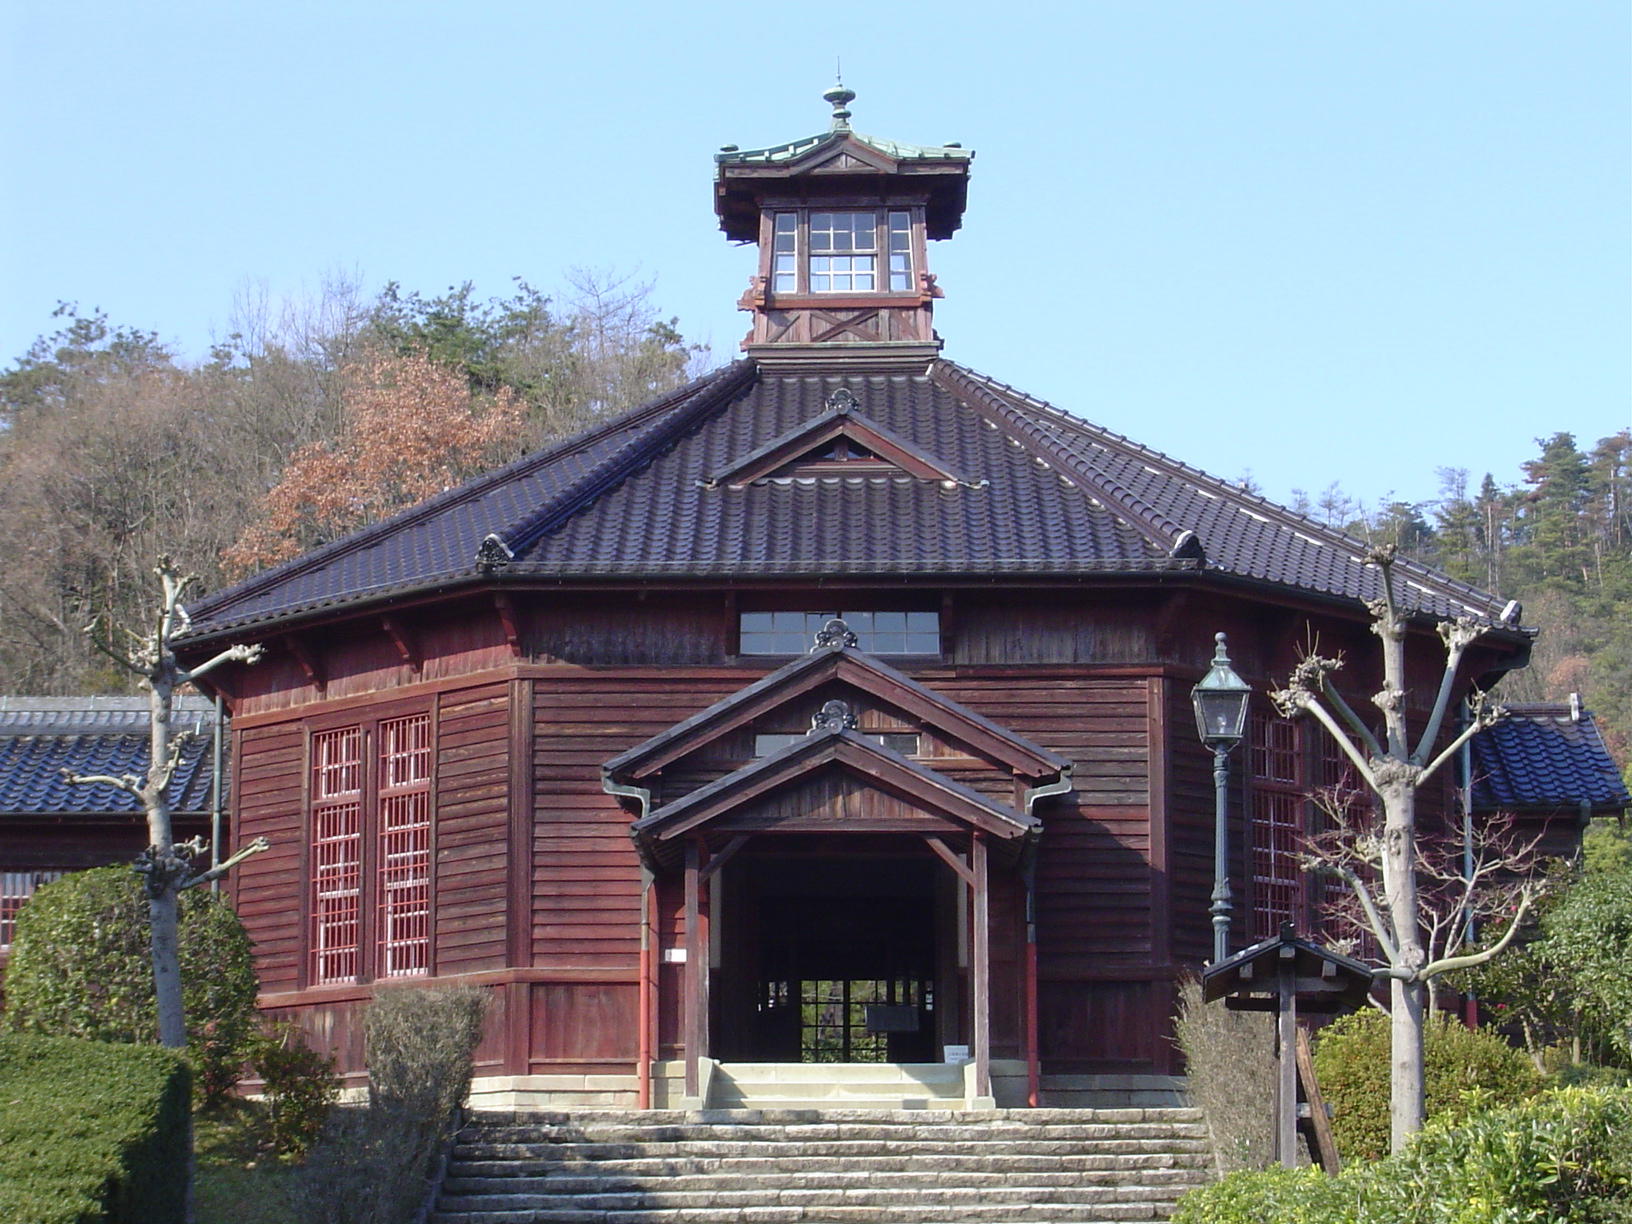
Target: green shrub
(81, 966)
(1462, 1068)
(1560, 1158)
(1564, 1157)
(1270, 1196)
(300, 1087)
(1229, 1059)
(375, 1166)
(92, 1133)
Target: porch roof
(865, 673)
(938, 800)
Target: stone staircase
(780, 1086)
(840, 1166)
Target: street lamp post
(1220, 701)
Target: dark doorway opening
(831, 959)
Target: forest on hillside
(309, 421)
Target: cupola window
(843, 251)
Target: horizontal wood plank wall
(269, 768)
(586, 874)
(1190, 834)
(1100, 1007)
(472, 829)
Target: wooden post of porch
(1286, 1094)
(980, 971)
(696, 1002)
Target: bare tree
(167, 866)
(1463, 884)
(1398, 910)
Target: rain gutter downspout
(1034, 1066)
(216, 811)
(643, 1070)
(1464, 769)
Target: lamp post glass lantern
(1220, 702)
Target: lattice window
(785, 256)
(337, 845)
(405, 846)
(793, 633)
(900, 251)
(843, 252)
(17, 887)
(1279, 805)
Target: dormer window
(839, 252)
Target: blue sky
(1320, 242)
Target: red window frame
(371, 821)
(16, 887)
(1279, 806)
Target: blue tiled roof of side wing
(40, 737)
(1041, 493)
(1539, 756)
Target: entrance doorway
(832, 960)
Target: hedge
(92, 1132)
(81, 966)
(1561, 1158)
(1463, 1068)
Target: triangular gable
(866, 674)
(939, 804)
(849, 155)
(808, 441)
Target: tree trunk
(1405, 995)
(163, 920)
(1406, 1110)
(163, 880)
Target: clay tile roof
(41, 736)
(1042, 493)
(1542, 756)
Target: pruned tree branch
(129, 783)
(227, 864)
(232, 654)
(1469, 960)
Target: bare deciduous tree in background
(1397, 909)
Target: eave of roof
(796, 763)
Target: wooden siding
(269, 796)
(586, 874)
(471, 911)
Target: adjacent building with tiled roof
(49, 825)
(557, 733)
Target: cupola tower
(843, 222)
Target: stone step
(825, 1167)
(1038, 1213)
(816, 1197)
(590, 1119)
(639, 1170)
(929, 1148)
(468, 1182)
(813, 1126)
(730, 1100)
(845, 1073)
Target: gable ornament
(835, 635)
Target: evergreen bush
(300, 1087)
(81, 966)
(1463, 1068)
(92, 1132)
(1563, 1157)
